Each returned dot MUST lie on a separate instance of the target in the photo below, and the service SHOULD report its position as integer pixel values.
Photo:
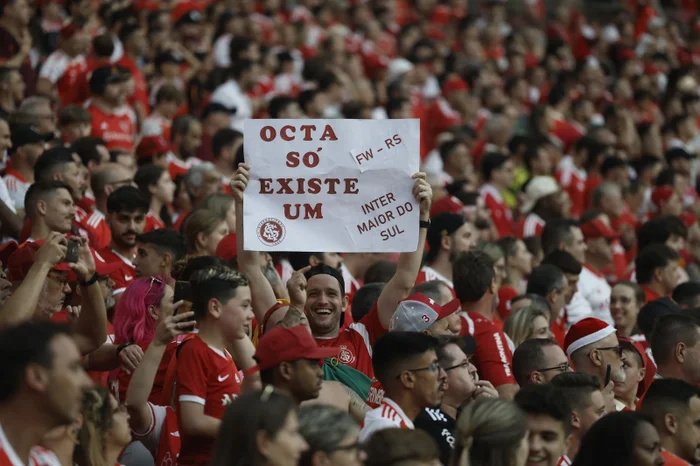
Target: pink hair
(132, 322)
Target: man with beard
(43, 386)
(463, 386)
(674, 405)
(126, 217)
(549, 420)
(406, 364)
(538, 361)
(674, 344)
(448, 235)
(289, 360)
(587, 406)
(571, 268)
(592, 346)
(112, 119)
(157, 252)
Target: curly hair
(97, 421)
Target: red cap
(454, 83)
(585, 332)
(418, 312)
(448, 204)
(598, 229)
(289, 344)
(227, 247)
(661, 194)
(152, 145)
(23, 258)
(69, 30)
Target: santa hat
(585, 332)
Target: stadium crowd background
(549, 315)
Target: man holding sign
(321, 291)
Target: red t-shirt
(98, 232)
(9, 47)
(441, 117)
(207, 376)
(64, 72)
(153, 222)
(532, 225)
(649, 294)
(573, 181)
(116, 128)
(505, 294)
(672, 460)
(124, 275)
(355, 342)
(493, 358)
(140, 94)
(38, 456)
(501, 215)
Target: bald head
(108, 177)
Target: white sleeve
(374, 425)
(5, 196)
(151, 438)
(54, 67)
(579, 308)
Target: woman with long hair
(155, 182)
(136, 316)
(260, 428)
(105, 430)
(518, 262)
(491, 432)
(203, 230)
(621, 439)
(626, 300)
(527, 323)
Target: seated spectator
(656, 267)
(687, 295)
(203, 230)
(331, 435)
(538, 361)
(626, 300)
(155, 183)
(527, 323)
(628, 394)
(673, 336)
(394, 447)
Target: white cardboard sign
(331, 185)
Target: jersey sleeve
(53, 68)
(191, 375)
(151, 438)
(371, 323)
(373, 425)
(494, 358)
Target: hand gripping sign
(331, 185)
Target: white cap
(537, 188)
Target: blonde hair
(199, 221)
(488, 433)
(97, 421)
(518, 325)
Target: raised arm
(141, 383)
(20, 306)
(263, 296)
(91, 326)
(408, 265)
(243, 351)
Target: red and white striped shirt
(17, 186)
(64, 71)
(500, 213)
(388, 415)
(428, 273)
(531, 226)
(564, 461)
(38, 456)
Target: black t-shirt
(440, 427)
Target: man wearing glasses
(538, 361)
(463, 386)
(593, 348)
(406, 364)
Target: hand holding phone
(72, 250)
(183, 292)
(608, 372)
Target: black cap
(26, 134)
(611, 163)
(653, 310)
(169, 56)
(107, 75)
(676, 153)
(441, 225)
(191, 17)
(323, 269)
(214, 107)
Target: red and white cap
(418, 312)
(584, 332)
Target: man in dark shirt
(454, 354)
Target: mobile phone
(72, 251)
(183, 292)
(607, 375)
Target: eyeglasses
(464, 364)
(432, 368)
(617, 349)
(563, 367)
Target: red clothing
(440, 117)
(153, 222)
(209, 377)
(564, 461)
(98, 232)
(9, 47)
(38, 456)
(87, 203)
(649, 294)
(501, 215)
(594, 180)
(126, 272)
(493, 357)
(82, 91)
(64, 72)
(672, 460)
(356, 341)
(573, 181)
(140, 94)
(567, 133)
(116, 128)
(531, 225)
(505, 294)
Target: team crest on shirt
(345, 355)
(124, 126)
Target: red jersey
(564, 461)
(441, 117)
(573, 180)
(116, 128)
(501, 215)
(140, 94)
(649, 294)
(64, 72)
(428, 273)
(532, 225)
(98, 232)
(672, 460)
(493, 358)
(123, 276)
(209, 377)
(162, 438)
(505, 294)
(38, 456)
(356, 341)
(87, 203)
(153, 222)
(17, 187)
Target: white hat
(537, 188)
(398, 68)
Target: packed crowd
(549, 314)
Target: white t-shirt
(596, 290)
(388, 415)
